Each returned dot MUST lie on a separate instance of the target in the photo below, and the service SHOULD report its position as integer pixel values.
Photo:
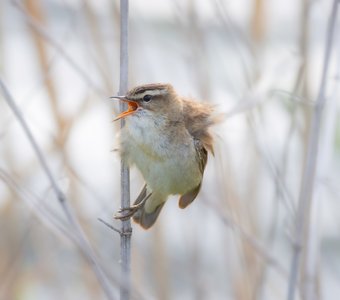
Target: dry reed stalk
(257, 27)
(126, 230)
(308, 180)
(81, 239)
(59, 48)
(101, 59)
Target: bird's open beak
(132, 107)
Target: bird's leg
(127, 212)
(139, 201)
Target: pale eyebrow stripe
(149, 92)
(149, 87)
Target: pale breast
(168, 164)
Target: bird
(167, 137)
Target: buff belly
(167, 170)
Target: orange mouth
(132, 107)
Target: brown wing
(186, 199)
(199, 118)
(201, 157)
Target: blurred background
(257, 61)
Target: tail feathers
(146, 220)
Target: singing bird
(167, 137)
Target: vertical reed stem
(126, 230)
(308, 180)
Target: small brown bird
(167, 137)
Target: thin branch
(52, 221)
(308, 180)
(58, 47)
(126, 230)
(109, 225)
(255, 244)
(273, 168)
(81, 238)
(37, 207)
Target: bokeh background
(257, 61)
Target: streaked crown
(153, 89)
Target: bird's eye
(147, 98)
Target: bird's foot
(126, 213)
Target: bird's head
(156, 99)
